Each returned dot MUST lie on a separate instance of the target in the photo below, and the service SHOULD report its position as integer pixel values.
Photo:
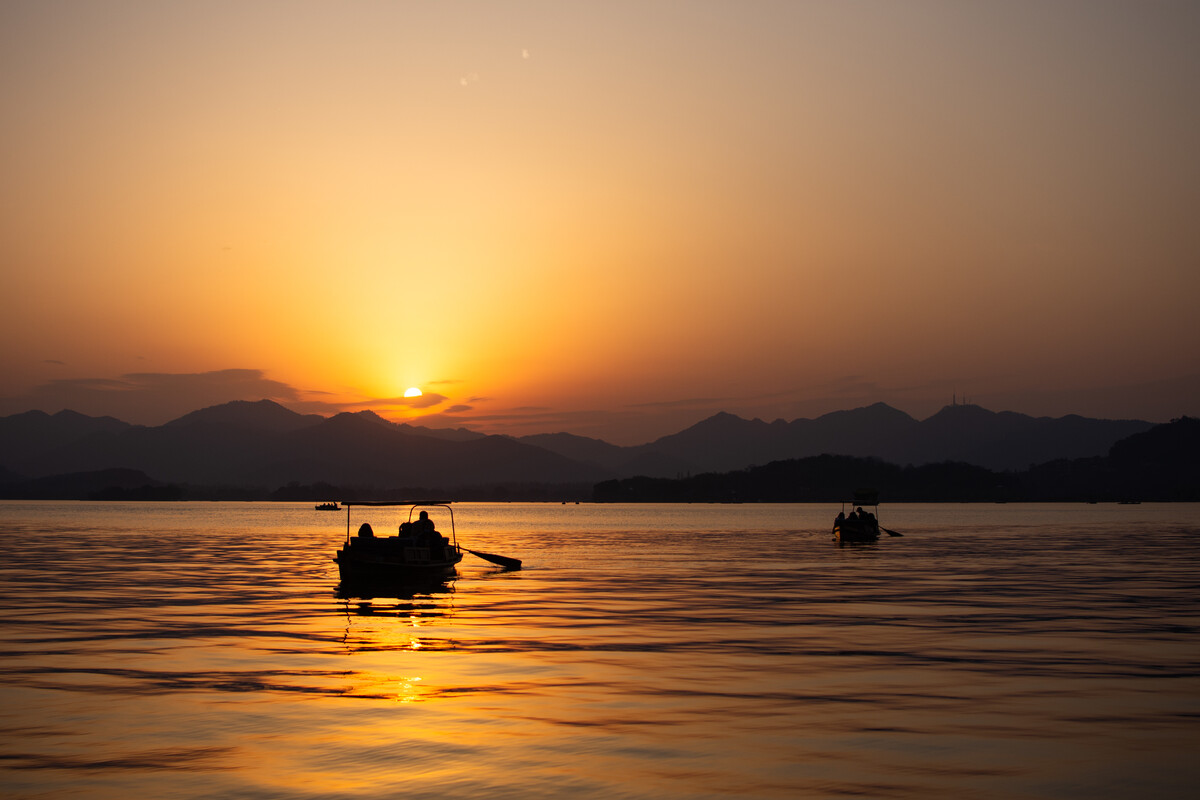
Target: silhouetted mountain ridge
(267, 445)
(1157, 465)
(260, 415)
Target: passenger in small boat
(423, 531)
(365, 531)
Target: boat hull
(394, 559)
(849, 530)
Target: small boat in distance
(859, 525)
(329, 507)
(417, 551)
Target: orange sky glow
(613, 219)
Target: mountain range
(263, 444)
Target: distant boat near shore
(859, 525)
(329, 507)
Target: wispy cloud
(427, 400)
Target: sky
(608, 218)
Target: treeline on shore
(1158, 465)
(134, 485)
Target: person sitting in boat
(423, 530)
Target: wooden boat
(418, 551)
(859, 525)
(328, 507)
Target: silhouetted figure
(423, 529)
(365, 531)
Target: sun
(412, 392)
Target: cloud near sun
(425, 400)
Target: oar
(890, 533)
(504, 561)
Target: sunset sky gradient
(609, 218)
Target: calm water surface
(691, 651)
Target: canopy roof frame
(413, 505)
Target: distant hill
(108, 484)
(1007, 440)
(450, 434)
(1157, 464)
(349, 449)
(725, 441)
(34, 432)
(259, 416)
(596, 452)
(7, 476)
(263, 444)
(966, 433)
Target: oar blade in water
(504, 561)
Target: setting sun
(412, 392)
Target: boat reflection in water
(402, 588)
(396, 615)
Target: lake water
(201, 650)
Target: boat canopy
(412, 506)
(866, 497)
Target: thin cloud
(426, 400)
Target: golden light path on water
(204, 650)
